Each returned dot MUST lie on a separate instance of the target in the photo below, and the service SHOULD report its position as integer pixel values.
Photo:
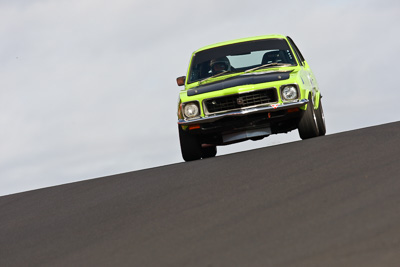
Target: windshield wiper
(216, 75)
(268, 65)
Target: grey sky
(87, 88)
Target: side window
(296, 50)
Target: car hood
(243, 79)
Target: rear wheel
(208, 151)
(190, 145)
(320, 119)
(308, 127)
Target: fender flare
(317, 99)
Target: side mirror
(181, 80)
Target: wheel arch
(317, 99)
(306, 95)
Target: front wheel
(308, 127)
(208, 151)
(190, 145)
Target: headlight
(191, 110)
(289, 92)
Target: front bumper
(245, 112)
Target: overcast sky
(87, 87)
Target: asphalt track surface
(328, 201)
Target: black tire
(320, 119)
(190, 145)
(308, 127)
(208, 151)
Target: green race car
(246, 89)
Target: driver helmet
(220, 65)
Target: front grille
(237, 101)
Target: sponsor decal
(274, 105)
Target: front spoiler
(244, 112)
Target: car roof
(272, 36)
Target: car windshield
(240, 57)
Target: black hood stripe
(239, 80)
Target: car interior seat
(272, 57)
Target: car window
(241, 57)
(255, 58)
(296, 50)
